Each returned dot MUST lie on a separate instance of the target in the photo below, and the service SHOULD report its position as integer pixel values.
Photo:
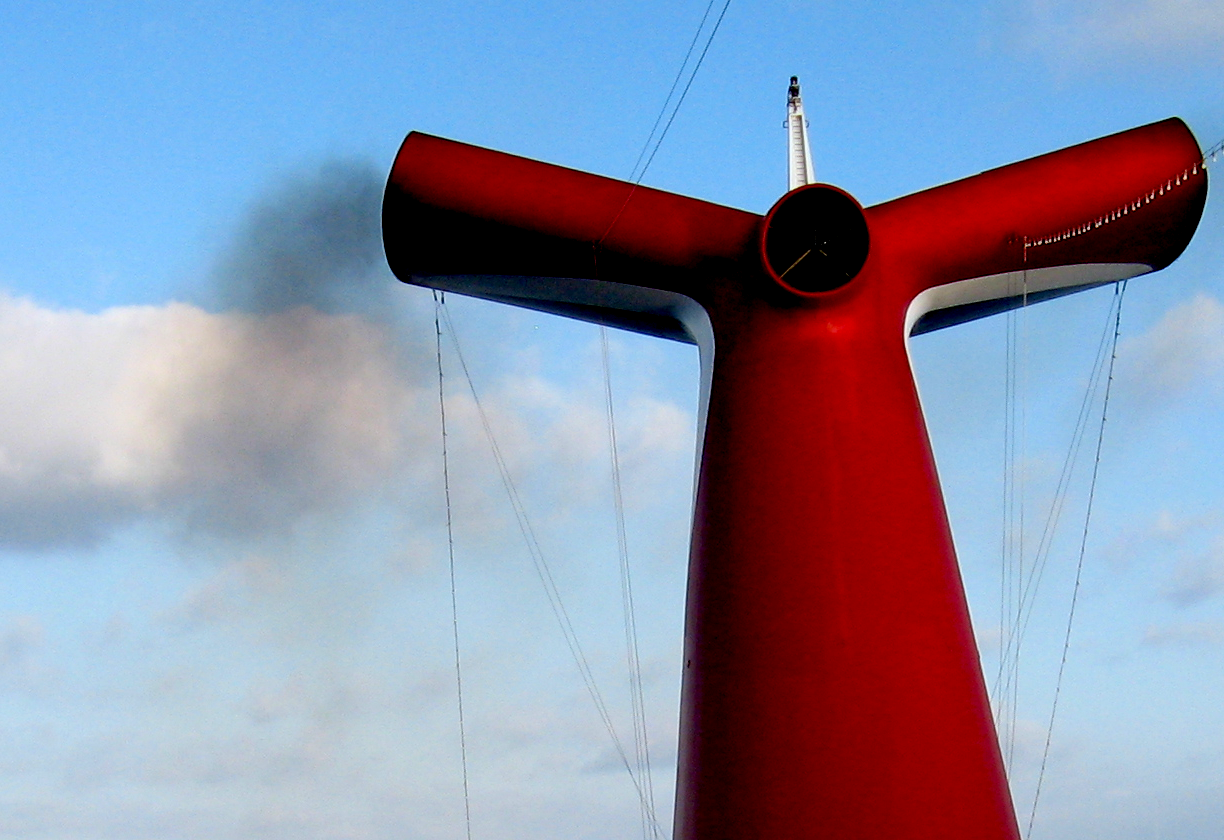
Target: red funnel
(832, 687)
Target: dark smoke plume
(315, 242)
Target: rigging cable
(687, 85)
(1119, 291)
(667, 101)
(1009, 396)
(450, 545)
(544, 572)
(641, 742)
(636, 180)
(1015, 623)
(1014, 438)
(1062, 489)
(643, 780)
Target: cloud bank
(229, 421)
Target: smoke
(316, 241)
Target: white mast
(798, 153)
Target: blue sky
(224, 609)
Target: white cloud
(1136, 31)
(1191, 633)
(24, 664)
(228, 421)
(1029, 745)
(562, 437)
(1164, 535)
(20, 636)
(233, 591)
(1170, 528)
(1199, 578)
(1181, 351)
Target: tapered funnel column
(832, 687)
(832, 684)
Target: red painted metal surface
(832, 687)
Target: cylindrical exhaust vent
(814, 240)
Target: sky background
(224, 603)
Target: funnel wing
(1094, 213)
(519, 231)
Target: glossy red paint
(832, 687)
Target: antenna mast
(798, 153)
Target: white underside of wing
(1015, 284)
